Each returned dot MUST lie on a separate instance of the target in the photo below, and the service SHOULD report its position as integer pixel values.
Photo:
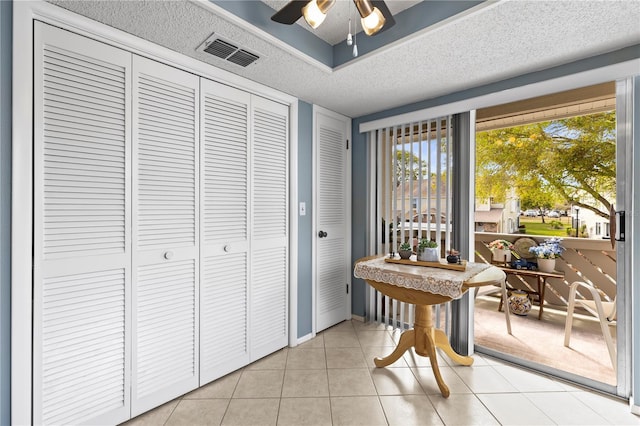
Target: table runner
(444, 282)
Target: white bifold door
(82, 222)
(268, 301)
(160, 230)
(224, 288)
(244, 229)
(165, 232)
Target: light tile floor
(331, 380)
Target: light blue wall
(6, 8)
(305, 192)
(359, 167)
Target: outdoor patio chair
(603, 310)
(503, 292)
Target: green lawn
(534, 226)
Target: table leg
(431, 349)
(424, 338)
(442, 342)
(542, 284)
(407, 340)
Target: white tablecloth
(445, 282)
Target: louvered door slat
(75, 60)
(166, 233)
(68, 365)
(270, 174)
(86, 119)
(166, 151)
(224, 230)
(269, 300)
(81, 92)
(166, 324)
(169, 93)
(229, 290)
(81, 230)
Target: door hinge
(347, 143)
(347, 288)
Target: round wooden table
(424, 337)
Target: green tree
(568, 161)
(408, 167)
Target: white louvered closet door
(224, 277)
(332, 216)
(165, 232)
(269, 283)
(82, 257)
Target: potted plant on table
(501, 250)
(428, 251)
(405, 251)
(547, 253)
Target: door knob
(322, 234)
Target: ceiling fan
(375, 15)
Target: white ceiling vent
(224, 49)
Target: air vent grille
(220, 48)
(223, 49)
(243, 58)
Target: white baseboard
(303, 339)
(358, 318)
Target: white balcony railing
(589, 260)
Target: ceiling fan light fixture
(315, 11)
(372, 18)
(373, 22)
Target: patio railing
(589, 260)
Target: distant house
(489, 220)
(596, 226)
(416, 197)
(425, 209)
(497, 217)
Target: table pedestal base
(425, 339)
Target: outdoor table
(541, 281)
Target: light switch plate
(303, 208)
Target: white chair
(503, 292)
(604, 311)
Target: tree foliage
(408, 167)
(567, 161)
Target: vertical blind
(413, 170)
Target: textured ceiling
(493, 42)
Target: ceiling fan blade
(290, 13)
(382, 6)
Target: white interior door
(269, 289)
(166, 233)
(224, 277)
(332, 216)
(82, 256)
